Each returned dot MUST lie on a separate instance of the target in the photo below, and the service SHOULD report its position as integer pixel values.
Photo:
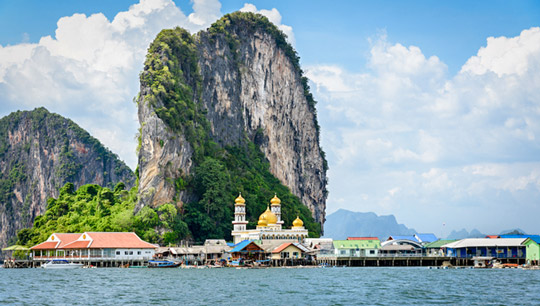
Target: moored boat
(61, 264)
(163, 264)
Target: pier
(404, 261)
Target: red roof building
(94, 245)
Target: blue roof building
(425, 238)
(412, 238)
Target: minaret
(239, 223)
(275, 204)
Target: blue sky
(430, 110)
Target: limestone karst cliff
(235, 84)
(40, 152)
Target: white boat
(61, 264)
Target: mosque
(269, 227)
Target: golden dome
(275, 200)
(270, 216)
(298, 222)
(240, 200)
(262, 220)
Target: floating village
(272, 244)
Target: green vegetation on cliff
(172, 83)
(173, 77)
(96, 208)
(217, 182)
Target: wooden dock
(405, 261)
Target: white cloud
(275, 17)
(447, 143)
(506, 56)
(88, 71)
(205, 13)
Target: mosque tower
(239, 223)
(275, 204)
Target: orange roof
(66, 238)
(282, 247)
(127, 240)
(77, 245)
(99, 240)
(47, 245)
(362, 238)
(493, 236)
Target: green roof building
(436, 248)
(357, 247)
(532, 250)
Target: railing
(331, 255)
(94, 257)
(401, 255)
(500, 256)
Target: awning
(16, 248)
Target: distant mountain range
(344, 223)
(463, 233)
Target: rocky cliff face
(245, 79)
(39, 153)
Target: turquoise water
(274, 286)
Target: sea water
(273, 286)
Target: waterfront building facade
(289, 250)
(269, 227)
(504, 248)
(532, 250)
(94, 247)
(213, 250)
(247, 250)
(357, 247)
(437, 248)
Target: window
(117, 252)
(125, 252)
(138, 252)
(372, 252)
(130, 252)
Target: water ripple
(338, 286)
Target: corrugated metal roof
(535, 239)
(362, 238)
(425, 237)
(403, 238)
(398, 247)
(240, 246)
(438, 244)
(356, 244)
(485, 242)
(520, 236)
(301, 246)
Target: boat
(163, 264)
(61, 264)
